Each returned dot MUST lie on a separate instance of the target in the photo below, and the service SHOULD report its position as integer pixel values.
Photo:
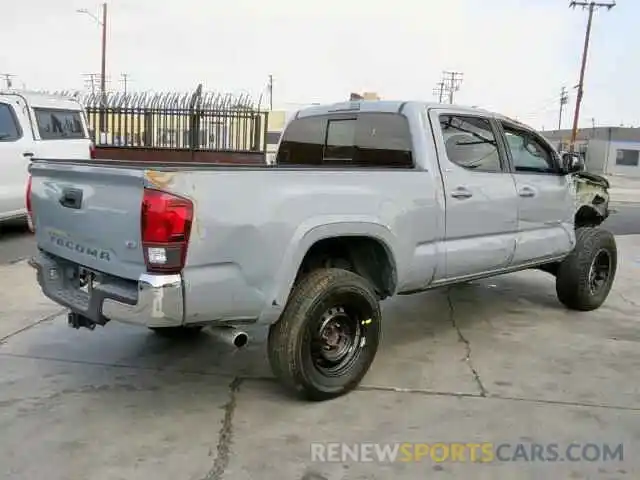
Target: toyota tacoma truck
(366, 200)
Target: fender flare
(314, 231)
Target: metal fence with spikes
(196, 120)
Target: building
(275, 125)
(364, 96)
(607, 150)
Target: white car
(36, 125)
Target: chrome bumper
(160, 303)
(152, 301)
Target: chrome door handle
(527, 192)
(27, 154)
(461, 192)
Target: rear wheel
(327, 337)
(176, 332)
(584, 279)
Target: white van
(36, 125)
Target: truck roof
(43, 100)
(390, 106)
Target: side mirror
(572, 162)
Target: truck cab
(36, 125)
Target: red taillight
(92, 151)
(28, 203)
(165, 224)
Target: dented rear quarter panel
(252, 229)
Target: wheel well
(363, 255)
(587, 216)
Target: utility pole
(452, 80)
(7, 79)
(564, 99)
(103, 62)
(270, 87)
(103, 70)
(591, 6)
(125, 78)
(439, 91)
(91, 79)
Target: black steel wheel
(328, 335)
(585, 277)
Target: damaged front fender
(592, 199)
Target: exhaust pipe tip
(231, 336)
(241, 340)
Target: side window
(383, 140)
(340, 140)
(470, 143)
(529, 155)
(367, 140)
(302, 142)
(57, 124)
(9, 128)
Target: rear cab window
(366, 139)
(58, 124)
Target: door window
(9, 128)
(528, 153)
(470, 143)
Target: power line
(564, 99)
(452, 80)
(591, 6)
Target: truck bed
(252, 225)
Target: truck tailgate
(89, 215)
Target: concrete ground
(492, 361)
(624, 189)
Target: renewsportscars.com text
(466, 452)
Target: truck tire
(585, 277)
(176, 332)
(328, 335)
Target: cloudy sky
(516, 55)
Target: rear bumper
(152, 301)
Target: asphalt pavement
(496, 365)
(17, 243)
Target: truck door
(545, 197)
(480, 194)
(15, 149)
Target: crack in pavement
(225, 437)
(474, 372)
(493, 396)
(628, 300)
(45, 319)
(237, 380)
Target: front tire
(585, 277)
(328, 335)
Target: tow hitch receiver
(76, 321)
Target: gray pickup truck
(366, 200)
